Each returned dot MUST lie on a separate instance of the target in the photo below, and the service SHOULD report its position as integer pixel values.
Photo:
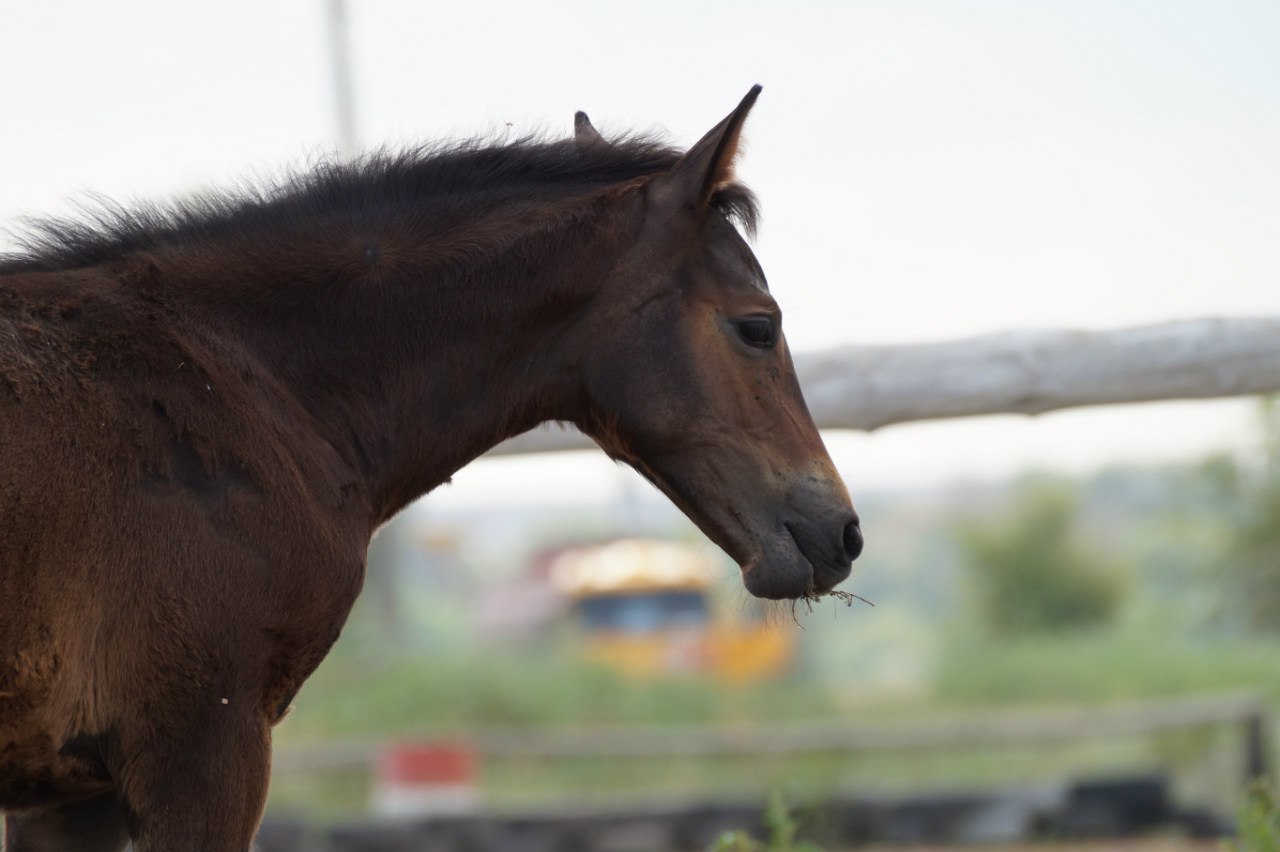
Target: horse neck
(411, 367)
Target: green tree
(1030, 569)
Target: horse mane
(423, 182)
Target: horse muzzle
(811, 553)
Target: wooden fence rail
(1020, 372)
(988, 730)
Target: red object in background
(423, 778)
(424, 764)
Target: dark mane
(458, 178)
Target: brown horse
(207, 408)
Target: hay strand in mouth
(812, 597)
(847, 597)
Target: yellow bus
(646, 606)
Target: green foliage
(550, 688)
(782, 833)
(1258, 822)
(1031, 572)
(736, 841)
(1077, 668)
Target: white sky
(928, 169)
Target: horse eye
(757, 332)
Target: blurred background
(548, 631)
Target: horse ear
(708, 165)
(584, 133)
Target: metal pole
(340, 60)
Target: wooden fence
(1245, 711)
(1019, 372)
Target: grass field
(463, 690)
(452, 695)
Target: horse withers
(207, 408)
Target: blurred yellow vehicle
(648, 607)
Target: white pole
(340, 61)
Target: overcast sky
(927, 169)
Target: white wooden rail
(1026, 372)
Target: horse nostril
(852, 540)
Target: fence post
(1257, 765)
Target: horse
(208, 406)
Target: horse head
(696, 389)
